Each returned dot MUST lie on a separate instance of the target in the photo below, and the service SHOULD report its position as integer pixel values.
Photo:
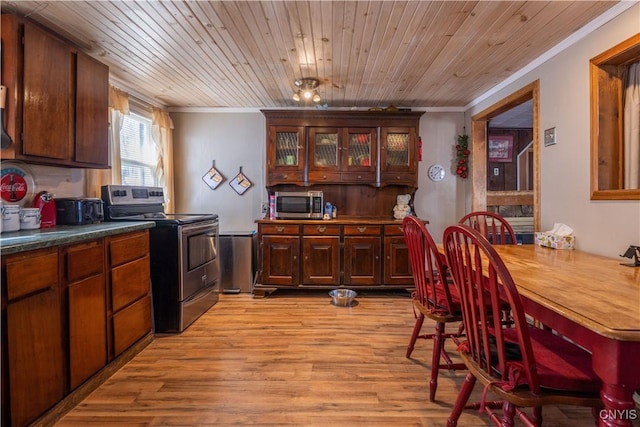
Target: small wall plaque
(549, 137)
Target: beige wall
(604, 227)
(233, 140)
(441, 203)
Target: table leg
(619, 407)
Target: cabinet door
(397, 268)
(361, 258)
(398, 155)
(92, 112)
(360, 155)
(87, 329)
(325, 145)
(47, 92)
(285, 155)
(280, 264)
(34, 334)
(321, 260)
(86, 299)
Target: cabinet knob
(362, 229)
(279, 229)
(322, 229)
(324, 177)
(359, 176)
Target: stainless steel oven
(185, 267)
(185, 272)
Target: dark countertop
(26, 240)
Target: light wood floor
(288, 360)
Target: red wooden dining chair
(433, 297)
(492, 226)
(524, 366)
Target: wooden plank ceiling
(365, 53)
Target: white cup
(29, 219)
(11, 218)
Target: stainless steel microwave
(299, 205)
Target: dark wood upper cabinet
(342, 147)
(47, 95)
(57, 99)
(92, 111)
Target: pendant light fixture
(307, 90)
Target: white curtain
(162, 135)
(95, 178)
(632, 128)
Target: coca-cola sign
(13, 186)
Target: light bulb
(316, 97)
(307, 94)
(296, 96)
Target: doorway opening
(482, 196)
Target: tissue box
(555, 241)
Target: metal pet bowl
(342, 297)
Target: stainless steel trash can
(237, 261)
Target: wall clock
(436, 173)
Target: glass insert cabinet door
(287, 143)
(325, 147)
(360, 148)
(397, 148)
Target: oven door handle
(190, 229)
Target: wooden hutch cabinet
(361, 161)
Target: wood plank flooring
(288, 360)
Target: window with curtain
(138, 153)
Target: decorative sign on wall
(500, 148)
(549, 137)
(213, 177)
(240, 183)
(18, 185)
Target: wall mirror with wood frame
(615, 151)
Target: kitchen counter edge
(26, 240)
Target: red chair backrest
(492, 226)
(485, 285)
(427, 267)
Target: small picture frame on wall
(500, 148)
(549, 136)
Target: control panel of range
(132, 195)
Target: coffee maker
(45, 202)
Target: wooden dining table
(595, 302)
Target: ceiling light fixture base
(307, 89)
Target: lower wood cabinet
(130, 289)
(86, 302)
(321, 255)
(67, 312)
(280, 255)
(329, 254)
(34, 347)
(397, 269)
(362, 254)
